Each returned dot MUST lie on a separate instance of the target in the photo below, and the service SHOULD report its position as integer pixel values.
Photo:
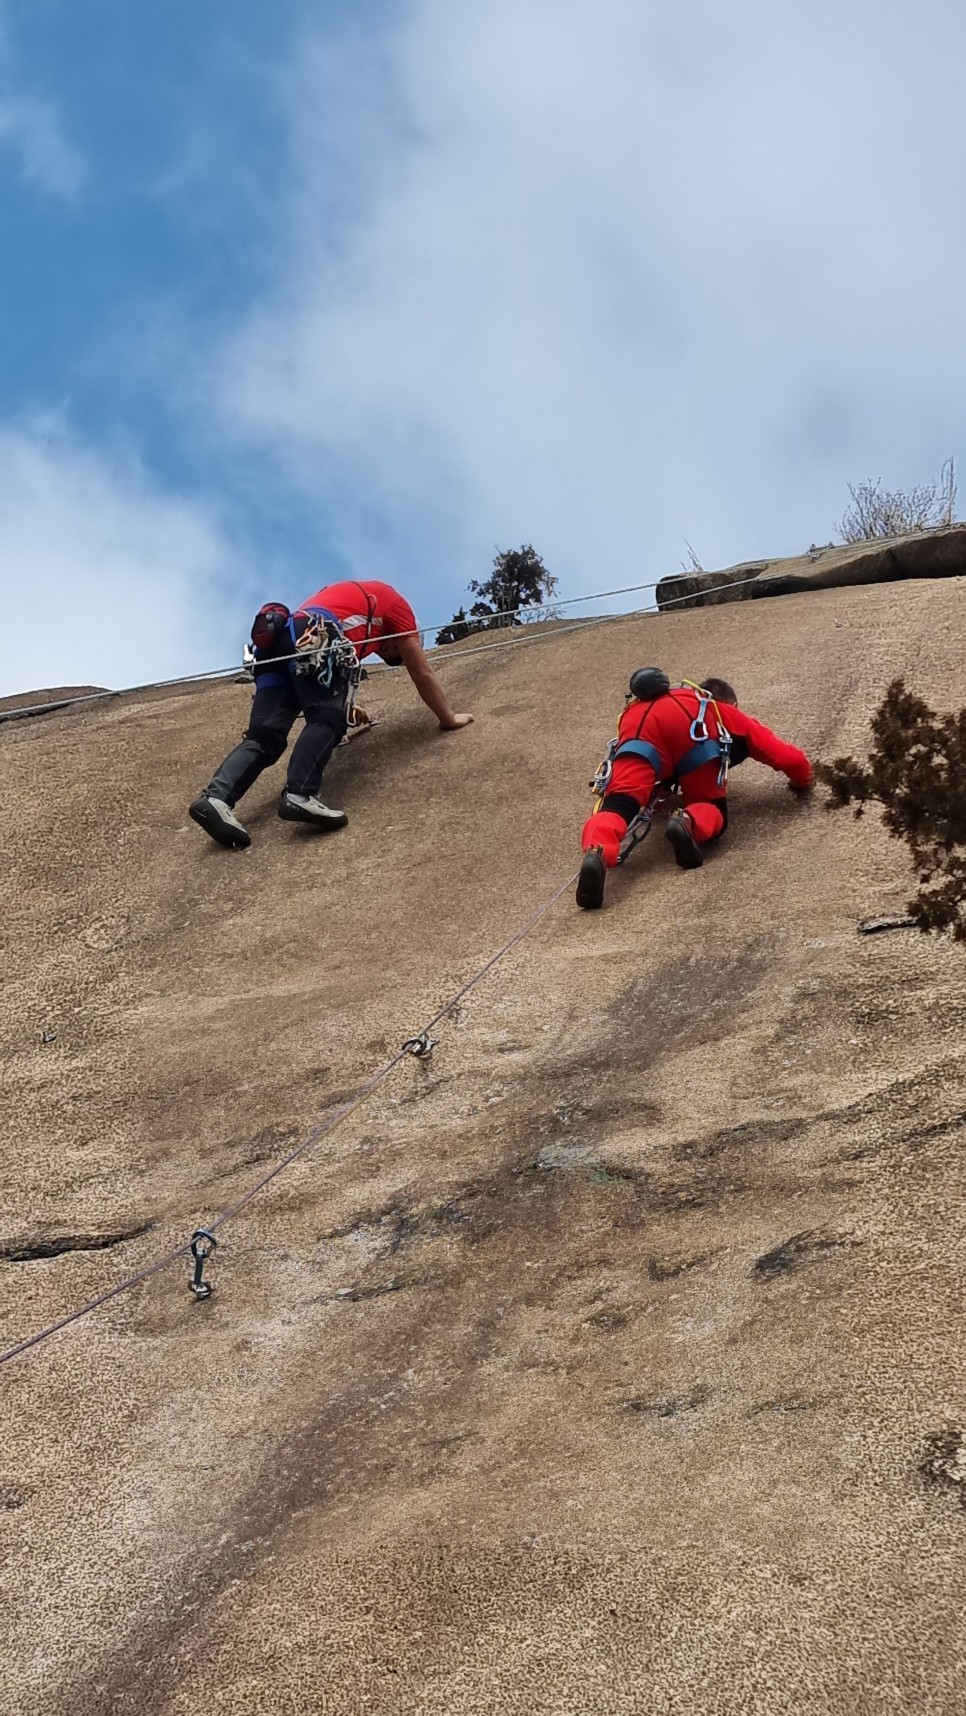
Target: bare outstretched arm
(417, 665)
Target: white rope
(527, 636)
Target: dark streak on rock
(667, 1269)
(876, 926)
(31, 1250)
(666, 1406)
(357, 1295)
(800, 1248)
(791, 1403)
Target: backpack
(269, 624)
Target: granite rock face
(607, 1363)
(924, 554)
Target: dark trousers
(274, 710)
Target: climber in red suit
(674, 735)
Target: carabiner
(202, 1245)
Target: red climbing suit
(665, 724)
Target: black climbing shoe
(219, 820)
(687, 852)
(301, 807)
(590, 883)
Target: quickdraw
(601, 780)
(202, 1245)
(324, 651)
(640, 827)
(706, 747)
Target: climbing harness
(319, 648)
(630, 747)
(704, 748)
(640, 826)
(605, 768)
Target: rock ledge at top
(886, 560)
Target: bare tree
(877, 512)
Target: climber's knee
(269, 739)
(708, 820)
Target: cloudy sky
(330, 287)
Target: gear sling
(319, 647)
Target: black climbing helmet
(647, 683)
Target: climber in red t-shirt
(682, 737)
(377, 620)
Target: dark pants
(274, 710)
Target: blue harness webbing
(708, 751)
(641, 748)
(703, 750)
(316, 614)
(269, 678)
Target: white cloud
(609, 278)
(31, 127)
(48, 161)
(107, 579)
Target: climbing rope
(522, 635)
(202, 1241)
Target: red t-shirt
(367, 610)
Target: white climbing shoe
(297, 807)
(219, 820)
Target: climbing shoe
(297, 807)
(687, 852)
(219, 820)
(590, 883)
